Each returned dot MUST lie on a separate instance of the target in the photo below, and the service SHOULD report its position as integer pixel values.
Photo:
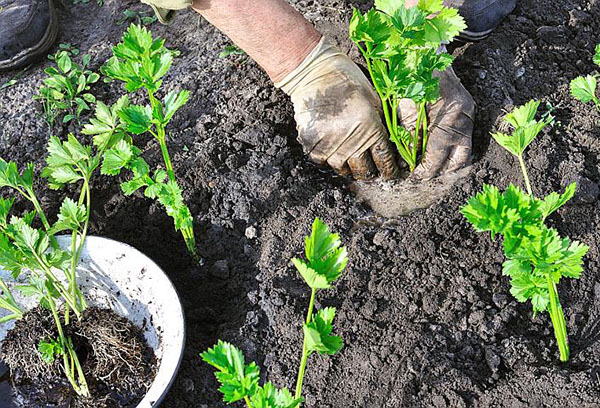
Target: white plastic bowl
(116, 276)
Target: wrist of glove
(338, 114)
(165, 9)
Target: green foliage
(400, 46)
(230, 50)
(526, 128)
(325, 258)
(318, 333)
(28, 249)
(49, 349)
(584, 88)
(240, 381)
(536, 256)
(65, 91)
(325, 262)
(141, 62)
(142, 17)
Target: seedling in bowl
(141, 62)
(537, 256)
(325, 261)
(401, 47)
(584, 88)
(32, 252)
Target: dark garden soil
(425, 313)
(119, 366)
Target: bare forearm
(271, 32)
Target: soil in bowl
(118, 363)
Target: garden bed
(424, 311)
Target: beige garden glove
(165, 9)
(338, 115)
(450, 127)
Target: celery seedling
(141, 62)
(401, 48)
(66, 89)
(27, 249)
(583, 88)
(325, 261)
(537, 257)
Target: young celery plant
(537, 257)
(401, 48)
(25, 248)
(583, 88)
(325, 261)
(141, 62)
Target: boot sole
(474, 36)
(31, 54)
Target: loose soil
(424, 310)
(118, 364)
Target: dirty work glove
(338, 114)
(165, 9)
(450, 127)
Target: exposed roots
(118, 364)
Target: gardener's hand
(338, 115)
(450, 128)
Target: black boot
(482, 16)
(28, 28)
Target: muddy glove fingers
(450, 130)
(338, 114)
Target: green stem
(525, 175)
(248, 401)
(415, 138)
(30, 195)
(165, 153)
(304, 358)
(558, 320)
(424, 121)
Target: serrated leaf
(71, 217)
(137, 119)
(554, 201)
(116, 158)
(317, 333)
(268, 396)
(584, 88)
(238, 380)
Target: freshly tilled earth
(423, 308)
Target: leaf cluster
(525, 128)
(66, 88)
(139, 60)
(240, 381)
(584, 88)
(401, 44)
(534, 251)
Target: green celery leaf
(317, 333)
(268, 396)
(116, 158)
(584, 88)
(137, 119)
(238, 380)
(597, 55)
(71, 217)
(554, 201)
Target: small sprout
(137, 17)
(231, 49)
(537, 257)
